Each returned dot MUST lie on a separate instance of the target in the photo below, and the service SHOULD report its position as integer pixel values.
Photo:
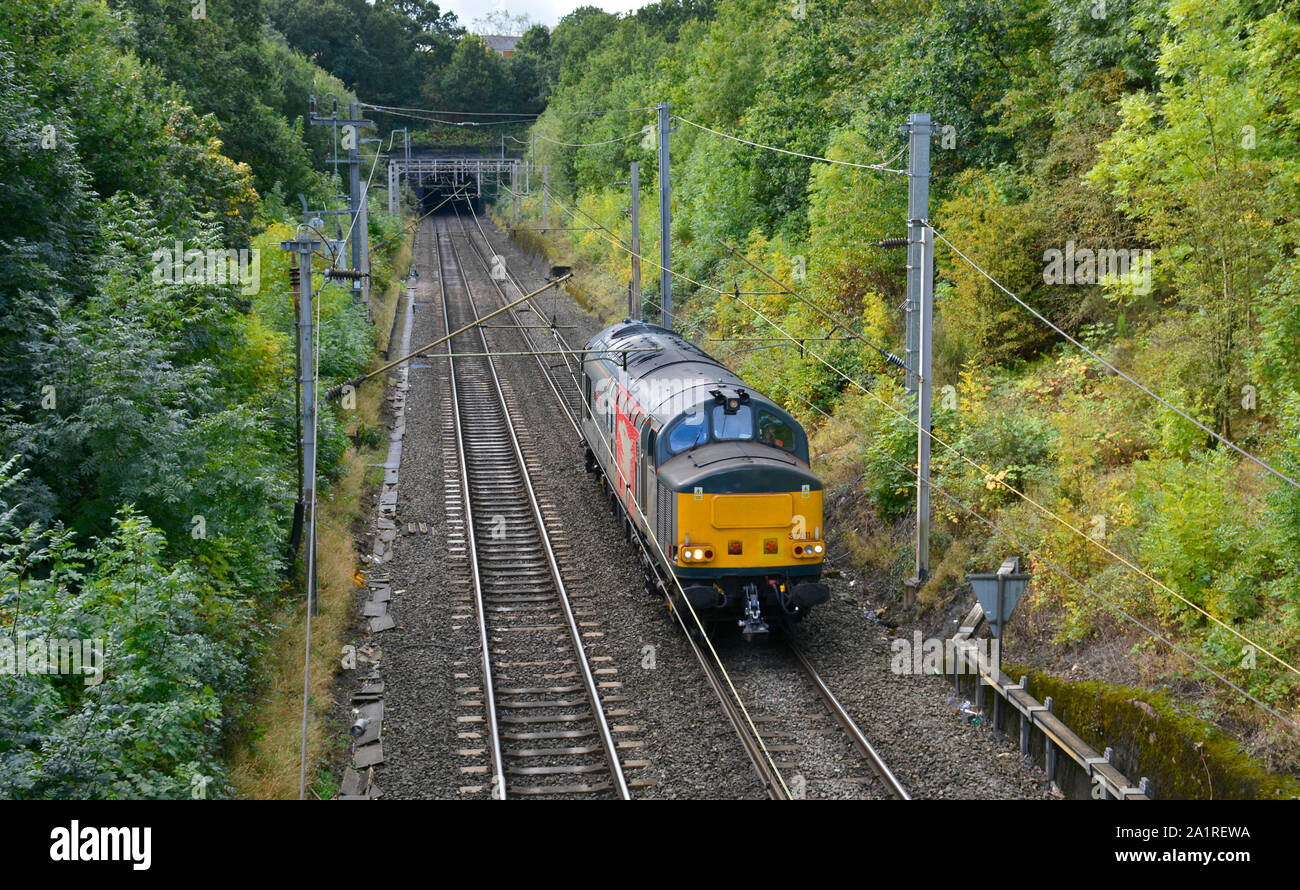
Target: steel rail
(514, 279)
(546, 372)
(842, 717)
(498, 765)
(589, 681)
(773, 783)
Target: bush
(1195, 534)
(152, 719)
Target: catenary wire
(890, 359)
(631, 135)
(883, 166)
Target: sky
(548, 12)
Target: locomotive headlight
(808, 551)
(697, 554)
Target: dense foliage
(148, 421)
(409, 54)
(147, 424)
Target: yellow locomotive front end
(747, 532)
(750, 532)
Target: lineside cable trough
(358, 782)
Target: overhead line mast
(351, 141)
(665, 222)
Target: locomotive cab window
(730, 427)
(690, 431)
(776, 431)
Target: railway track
(527, 319)
(547, 730)
(797, 717)
(772, 741)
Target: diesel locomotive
(712, 478)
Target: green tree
(1193, 163)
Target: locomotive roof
(675, 358)
(672, 349)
